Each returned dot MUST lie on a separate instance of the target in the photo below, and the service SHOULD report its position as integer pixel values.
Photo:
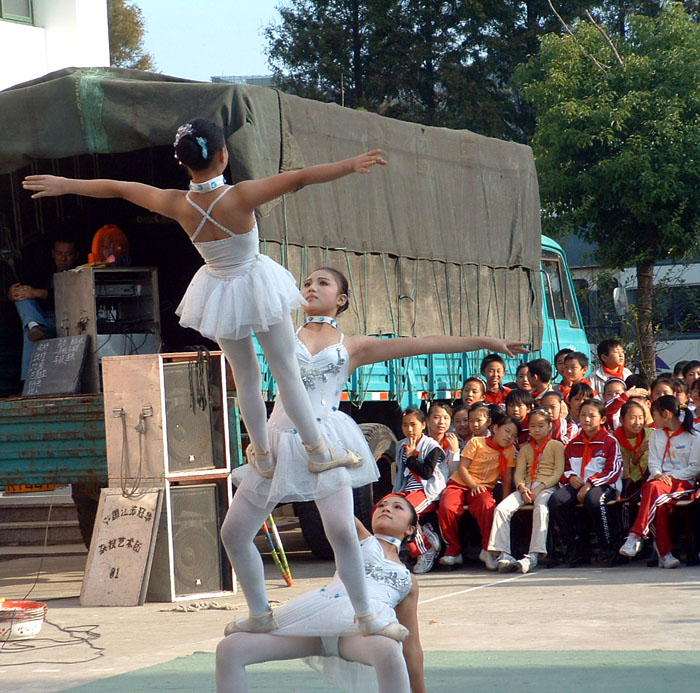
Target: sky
(198, 39)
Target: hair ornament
(202, 142)
(183, 130)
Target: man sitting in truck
(34, 299)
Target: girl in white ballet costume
(327, 358)
(237, 291)
(319, 626)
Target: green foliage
(617, 142)
(126, 29)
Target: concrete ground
(625, 628)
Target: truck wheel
(86, 496)
(382, 443)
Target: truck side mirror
(620, 300)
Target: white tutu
(328, 613)
(324, 374)
(238, 291)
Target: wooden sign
(121, 549)
(56, 366)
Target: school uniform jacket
(682, 460)
(605, 465)
(564, 430)
(600, 377)
(429, 464)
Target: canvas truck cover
(445, 240)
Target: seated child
(611, 354)
(483, 461)
(563, 430)
(575, 367)
(593, 472)
(493, 368)
(633, 438)
(674, 464)
(421, 475)
(660, 387)
(681, 391)
(678, 369)
(480, 419)
(578, 394)
(519, 405)
(522, 378)
(559, 362)
(615, 395)
(539, 375)
(539, 467)
(473, 390)
(691, 372)
(439, 423)
(460, 422)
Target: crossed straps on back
(206, 215)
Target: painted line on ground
(473, 589)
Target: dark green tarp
(444, 240)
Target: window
(557, 290)
(16, 10)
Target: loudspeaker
(165, 418)
(188, 558)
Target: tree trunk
(645, 328)
(357, 67)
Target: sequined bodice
(324, 375)
(389, 582)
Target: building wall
(66, 33)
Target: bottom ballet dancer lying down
(319, 626)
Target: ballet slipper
(350, 459)
(393, 630)
(263, 623)
(262, 462)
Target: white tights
(279, 346)
(243, 521)
(240, 649)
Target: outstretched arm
(253, 193)
(154, 199)
(407, 613)
(364, 350)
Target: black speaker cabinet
(165, 418)
(188, 559)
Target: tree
(617, 143)
(439, 63)
(126, 27)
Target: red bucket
(21, 620)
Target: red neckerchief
(537, 452)
(669, 435)
(615, 372)
(502, 459)
(624, 441)
(498, 397)
(566, 391)
(587, 453)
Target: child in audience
(633, 438)
(678, 369)
(660, 387)
(563, 430)
(539, 467)
(691, 372)
(483, 461)
(493, 368)
(473, 390)
(695, 399)
(681, 391)
(637, 380)
(421, 475)
(521, 378)
(674, 464)
(559, 360)
(614, 395)
(460, 422)
(480, 419)
(593, 477)
(439, 422)
(539, 375)
(575, 368)
(519, 405)
(612, 359)
(578, 394)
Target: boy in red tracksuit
(593, 474)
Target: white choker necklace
(394, 541)
(323, 319)
(207, 185)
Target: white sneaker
(506, 563)
(632, 545)
(488, 559)
(432, 536)
(668, 561)
(527, 562)
(425, 562)
(449, 561)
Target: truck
(446, 240)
